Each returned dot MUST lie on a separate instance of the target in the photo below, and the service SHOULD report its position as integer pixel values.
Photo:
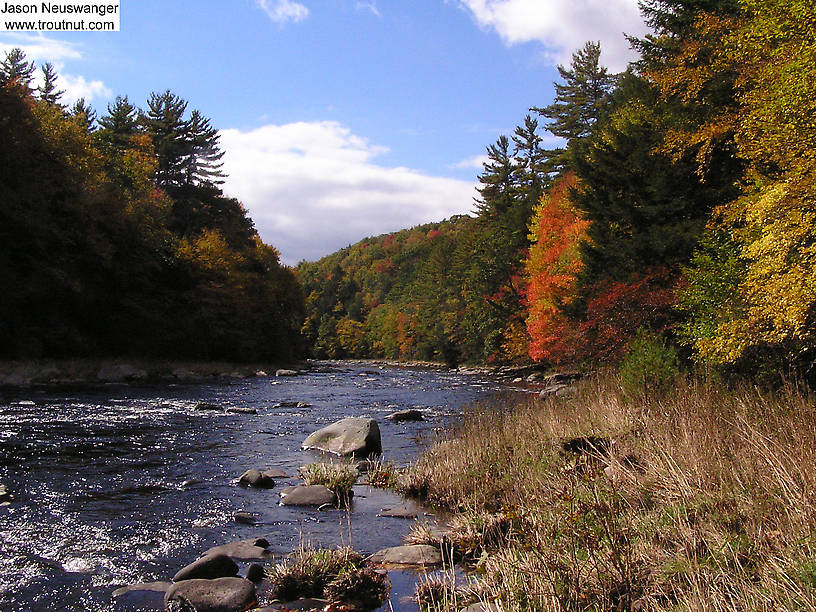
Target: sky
(342, 119)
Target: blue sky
(342, 118)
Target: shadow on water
(113, 485)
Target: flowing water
(96, 475)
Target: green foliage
(649, 365)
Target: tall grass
(704, 498)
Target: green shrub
(649, 365)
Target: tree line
(118, 240)
(678, 214)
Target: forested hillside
(677, 221)
(117, 239)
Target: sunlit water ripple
(96, 475)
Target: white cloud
(313, 188)
(368, 6)
(477, 161)
(563, 26)
(281, 11)
(40, 48)
(76, 87)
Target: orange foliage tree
(553, 265)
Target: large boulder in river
(358, 436)
(307, 495)
(219, 595)
(208, 566)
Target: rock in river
(256, 478)
(208, 566)
(219, 595)
(406, 415)
(245, 550)
(308, 495)
(416, 554)
(358, 436)
(286, 373)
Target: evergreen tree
(85, 113)
(496, 190)
(48, 91)
(187, 149)
(14, 67)
(581, 99)
(204, 162)
(120, 123)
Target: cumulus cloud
(39, 48)
(313, 188)
(563, 27)
(281, 11)
(77, 86)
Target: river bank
(696, 497)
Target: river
(96, 475)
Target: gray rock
(209, 566)
(255, 573)
(209, 406)
(190, 482)
(406, 415)
(283, 372)
(256, 478)
(308, 495)
(303, 405)
(260, 373)
(153, 587)
(359, 436)
(414, 554)
(401, 512)
(247, 518)
(241, 410)
(5, 496)
(244, 550)
(275, 473)
(219, 595)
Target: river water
(96, 475)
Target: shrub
(649, 365)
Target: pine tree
(14, 67)
(85, 113)
(120, 123)
(581, 99)
(497, 190)
(187, 149)
(204, 163)
(48, 91)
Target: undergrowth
(690, 497)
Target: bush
(649, 365)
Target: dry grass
(339, 477)
(705, 500)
